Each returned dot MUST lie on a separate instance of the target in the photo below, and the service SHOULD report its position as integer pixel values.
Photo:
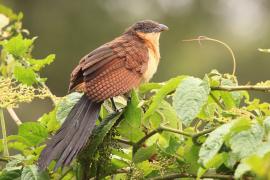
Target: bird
(112, 69)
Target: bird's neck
(152, 42)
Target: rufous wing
(112, 69)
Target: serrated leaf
(144, 153)
(30, 173)
(65, 105)
(250, 139)
(18, 46)
(25, 75)
(38, 64)
(189, 98)
(34, 132)
(130, 126)
(161, 94)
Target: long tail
(72, 136)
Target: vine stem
(205, 38)
(186, 175)
(241, 88)
(14, 116)
(4, 133)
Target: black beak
(163, 27)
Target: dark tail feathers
(72, 136)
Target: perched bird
(112, 69)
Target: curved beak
(163, 27)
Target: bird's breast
(153, 61)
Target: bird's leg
(113, 105)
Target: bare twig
(14, 116)
(186, 175)
(205, 38)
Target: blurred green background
(71, 29)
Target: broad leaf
(34, 132)
(130, 127)
(167, 88)
(30, 173)
(65, 105)
(189, 98)
(249, 139)
(144, 153)
(10, 175)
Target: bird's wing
(111, 69)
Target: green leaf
(217, 138)
(215, 162)
(241, 169)
(38, 64)
(248, 163)
(34, 132)
(65, 105)
(266, 125)
(10, 175)
(144, 153)
(49, 121)
(189, 98)
(213, 143)
(100, 132)
(30, 173)
(191, 156)
(167, 88)
(130, 126)
(18, 46)
(8, 12)
(148, 87)
(25, 75)
(249, 139)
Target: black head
(147, 26)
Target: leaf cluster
(185, 127)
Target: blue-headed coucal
(112, 69)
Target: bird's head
(147, 29)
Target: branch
(4, 133)
(125, 142)
(194, 137)
(137, 145)
(186, 175)
(202, 133)
(241, 88)
(14, 116)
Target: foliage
(184, 127)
